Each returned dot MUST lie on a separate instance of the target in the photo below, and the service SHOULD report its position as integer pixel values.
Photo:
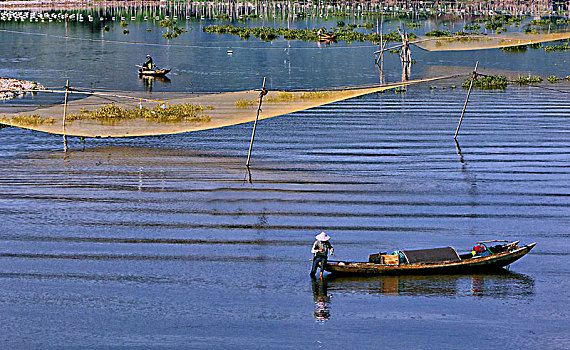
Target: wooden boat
(327, 37)
(154, 73)
(435, 261)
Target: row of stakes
(46, 17)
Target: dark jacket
(325, 246)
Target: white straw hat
(322, 237)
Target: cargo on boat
(484, 257)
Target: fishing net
(94, 116)
(482, 42)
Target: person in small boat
(148, 64)
(321, 249)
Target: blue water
(168, 242)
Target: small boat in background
(485, 257)
(327, 37)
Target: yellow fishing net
(482, 42)
(210, 111)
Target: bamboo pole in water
(65, 115)
(261, 94)
(466, 99)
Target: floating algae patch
(27, 120)
(111, 114)
(488, 82)
(288, 97)
(242, 103)
(528, 80)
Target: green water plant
(346, 33)
(172, 30)
(28, 120)
(515, 49)
(413, 25)
(487, 82)
(540, 22)
(553, 79)
(244, 103)
(472, 27)
(554, 48)
(528, 80)
(437, 33)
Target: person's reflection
(477, 286)
(322, 300)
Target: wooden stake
(261, 94)
(466, 99)
(64, 116)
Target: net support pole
(466, 100)
(261, 94)
(65, 116)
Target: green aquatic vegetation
(282, 96)
(515, 49)
(126, 31)
(493, 25)
(316, 95)
(555, 48)
(530, 31)
(535, 46)
(553, 79)
(528, 80)
(437, 33)
(242, 103)
(368, 26)
(487, 82)
(124, 24)
(413, 25)
(28, 120)
(222, 16)
(563, 21)
(172, 30)
(112, 114)
(540, 22)
(268, 34)
(340, 24)
(106, 28)
(472, 27)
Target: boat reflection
(148, 81)
(498, 285)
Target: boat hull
(480, 264)
(154, 73)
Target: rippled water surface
(170, 242)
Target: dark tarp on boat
(431, 255)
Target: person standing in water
(321, 249)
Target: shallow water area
(170, 241)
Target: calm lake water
(168, 242)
